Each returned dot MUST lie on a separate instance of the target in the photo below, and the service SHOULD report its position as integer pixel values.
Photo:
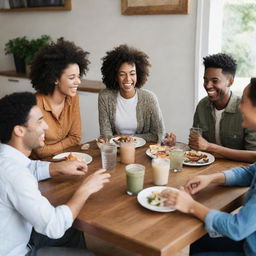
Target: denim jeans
(221, 246)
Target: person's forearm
(105, 129)
(77, 201)
(233, 154)
(218, 178)
(198, 210)
(71, 140)
(48, 150)
(55, 169)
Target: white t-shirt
(218, 114)
(126, 119)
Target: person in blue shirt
(229, 234)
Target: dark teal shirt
(232, 134)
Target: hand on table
(197, 183)
(197, 142)
(170, 139)
(178, 199)
(70, 167)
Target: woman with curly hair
(55, 75)
(125, 108)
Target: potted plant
(34, 46)
(24, 50)
(18, 47)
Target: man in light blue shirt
(22, 207)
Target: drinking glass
(108, 156)
(196, 131)
(127, 152)
(161, 169)
(176, 159)
(134, 178)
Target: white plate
(180, 145)
(139, 141)
(210, 157)
(87, 158)
(148, 152)
(143, 195)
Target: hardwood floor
(102, 248)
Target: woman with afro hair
(55, 75)
(125, 108)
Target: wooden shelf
(85, 86)
(66, 7)
(13, 74)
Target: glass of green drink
(134, 178)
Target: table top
(116, 217)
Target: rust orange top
(63, 132)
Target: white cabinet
(89, 115)
(9, 85)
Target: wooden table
(115, 217)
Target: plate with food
(74, 156)
(151, 199)
(197, 158)
(139, 142)
(158, 151)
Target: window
(226, 26)
(239, 38)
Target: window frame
(208, 39)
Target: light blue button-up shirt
(22, 206)
(243, 224)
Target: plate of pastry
(74, 156)
(197, 158)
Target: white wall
(98, 26)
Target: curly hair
(50, 62)
(14, 110)
(115, 58)
(252, 91)
(221, 60)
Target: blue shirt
(22, 206)
(241, 225)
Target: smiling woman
(55, 75)
(125, 108)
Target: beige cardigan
(149, 117)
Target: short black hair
(14, 110)
(252, 91)
(221, 60)
(50, 62)
(119, 55)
